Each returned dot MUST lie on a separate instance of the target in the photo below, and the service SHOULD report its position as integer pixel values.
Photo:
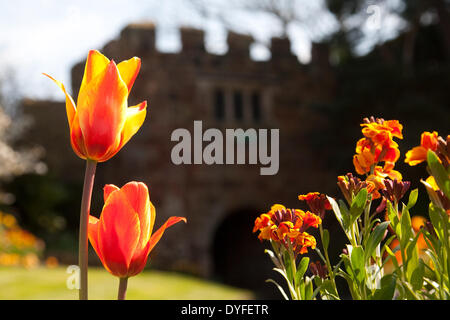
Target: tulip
(122, 237)
(101, 122)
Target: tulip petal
(134, 120)
(138, 197)
(140, 260)
(93, 235)
(158, 234)
(129, 70)
(107, 190)
(70, 104)
(96, 63)
(102, 108)
(77, 139)
(140, 256)
(118, 234)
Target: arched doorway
(238, 256)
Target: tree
(16, 162)
(410, 15)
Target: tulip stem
(84, 221)
(123, 284)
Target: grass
(50, 284)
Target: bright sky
(52, 35)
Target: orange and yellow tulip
(122, 237)
(101, 122)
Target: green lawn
(50, 284)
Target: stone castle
(220, 202)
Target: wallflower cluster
(288, 227)
(403, 257)
(376, 147)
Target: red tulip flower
(122, 237)
(101, 122)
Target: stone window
(238, 103)
(256, 106)
(219, 104)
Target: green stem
(123, 284)
(294, 271)
(367, 219)
(84, 222)
(327, 260)
(411, 291)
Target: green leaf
(273, 258)
(413, 195)
(358, 205)
(412, 257)
(406, 228)
(289, 283)
(439, 173)
(417, 276)
(387, 243)
(326, 289)
(348, 266)
(301, 269)
(288, 263)
(325, 239)
(436, 216)
(345, 212)
(387, 288)
(337, 211)
(375, 238)
(392, 256)
(393, 217)
(309, 289)
(358, 264)
(279, 288)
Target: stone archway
(238, 256)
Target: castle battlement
(141, 39)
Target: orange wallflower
(363, 162)
(428, 141)
(288, 226)
(302, 242)
(378, 141)
(122, 237)
(317, 202)
(101, 122)
(382, 131)
(377, 146)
